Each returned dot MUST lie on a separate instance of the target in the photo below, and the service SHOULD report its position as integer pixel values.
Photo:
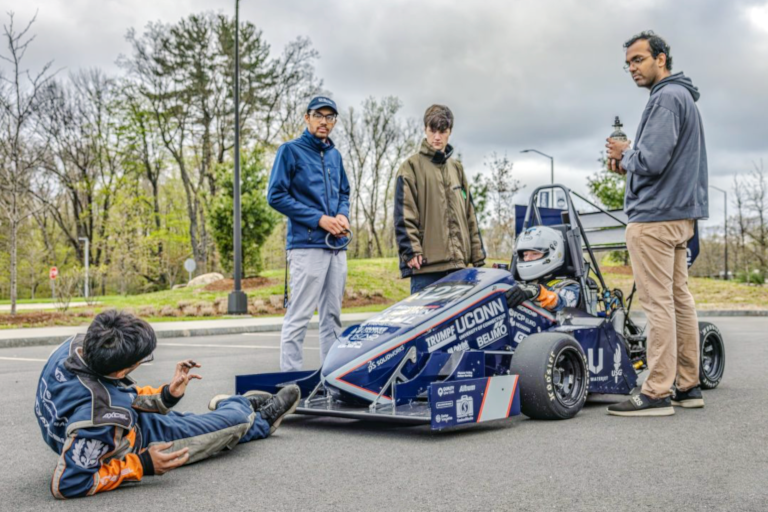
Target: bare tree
(502, 187)
(375, 142)
(20, 153)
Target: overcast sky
(545, 75)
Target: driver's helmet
(544, 240)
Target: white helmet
(545, 240)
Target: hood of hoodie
(437, 157)
(316, 143)
(679, 79)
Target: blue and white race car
(454, 354)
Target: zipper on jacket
(325, 184)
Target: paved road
(710, 459)
(40, 306)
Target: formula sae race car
(454, 353)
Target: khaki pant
(660, 265)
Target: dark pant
(420, 281)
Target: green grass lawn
(382, 276)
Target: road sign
(190, 267)
(54, 273)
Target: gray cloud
(517, 74)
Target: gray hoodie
(667, 168)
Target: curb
(36, 341)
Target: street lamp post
(552, 172)
(725, 233)
(87, 261)
(237, 303)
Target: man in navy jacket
(309, 186)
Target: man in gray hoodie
(666, 193)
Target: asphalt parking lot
(714, 458)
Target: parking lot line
(217, 345)
(22, 359)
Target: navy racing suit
(101, 427)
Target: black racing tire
(554, 379)
(711, 355)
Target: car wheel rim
(568, 377)
(712, 356)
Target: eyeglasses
(148, 359)
(634, 62)
(331, 118)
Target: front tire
(554, 379)
(711, 355)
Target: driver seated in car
(540, 261)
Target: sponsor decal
(368, 332)
(465, 375)
(372, 365)
(595, 368)
(86, 453)
(482, 314)
(461, 347)
(59, 376)
(350, 344)
(444, 405)
(404, 315)
(115, 416)
(521, 317)
(441, 338)
(443, 418)
(440, 293)
(465, 388)
(617, 372)
(445, 390)
(465, 410)
(499, 331)
(520, 336)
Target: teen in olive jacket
(434, 215)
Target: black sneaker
(276, 408)
(690, 399)
(257, 399)
(642, 405)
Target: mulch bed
(249, 283)
(627, 271)
(41, 318)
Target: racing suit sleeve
(81, 470)
(279, 196)
(476, 240)
(407, 214)
(151, 399)
(653, 150)
(567, 296)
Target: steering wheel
(342, 246)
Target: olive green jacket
(434, 214)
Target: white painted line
(215, 345)
(23, 359)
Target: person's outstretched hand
(181, 378)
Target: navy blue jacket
(307, 182)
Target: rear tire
(554, 379)
(711, 355)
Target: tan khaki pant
(660, 265)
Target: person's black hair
(116, 340)
(438, 118)
(657, 43)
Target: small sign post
(54, 273)
(190, 267)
